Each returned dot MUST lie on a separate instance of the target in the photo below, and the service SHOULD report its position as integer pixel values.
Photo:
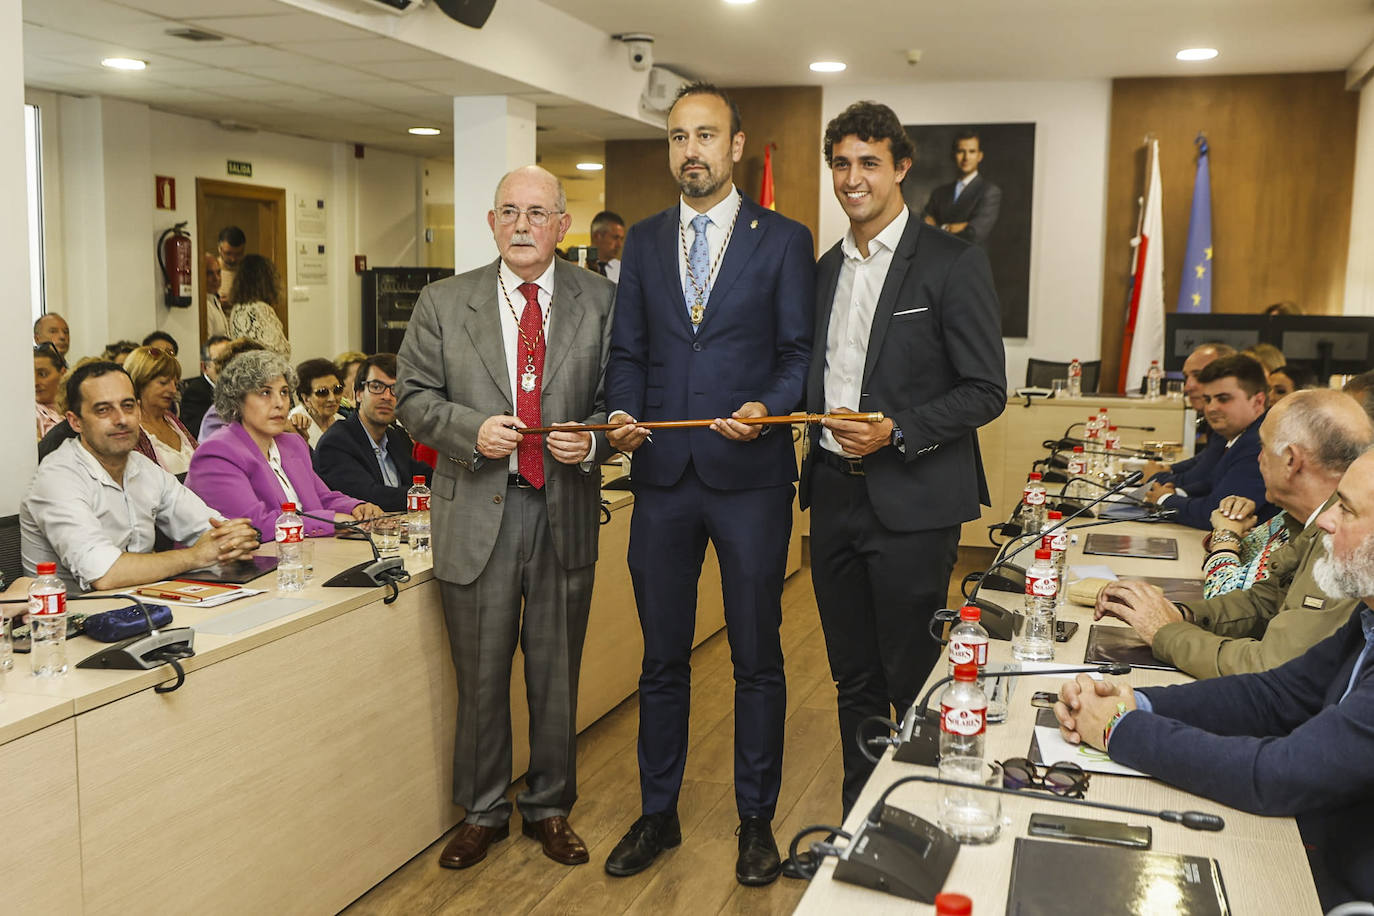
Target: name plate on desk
(235, 622)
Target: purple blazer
(231, 474)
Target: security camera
(640, 47)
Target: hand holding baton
(694, 424)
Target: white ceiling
(772, 42)
(282, 69)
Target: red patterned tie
(530, 453)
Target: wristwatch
(898, 439)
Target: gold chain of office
(529, 377)
(698, 309)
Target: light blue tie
(958, 189)
(699, 268)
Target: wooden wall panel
(1283, 161)
(638, 183)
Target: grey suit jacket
(452, 375)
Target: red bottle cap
(419, 479)
(966, 672)
(1077, 449)
(1041, 553)
(1054, 515)
(288, 507)
(47, 569)
(1034, 475)
(969, 612)
(1111, 428)
(953, 905)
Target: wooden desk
(1262, 860)
(1012, 441)
(301, 762)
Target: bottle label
(48, 603)
(1058, 542)
(1033, 496)
(417, 503)
(1113, 440)
(966, 722)
(968, 652)
(1042, 586)
(1078, 466)
(290, 534)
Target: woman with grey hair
(257, 463)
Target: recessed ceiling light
(827, 66)
(739, 2)
(590, 166)
(124, 63)
(1196, 54)
(425, 131)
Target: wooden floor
(698, 877)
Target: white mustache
(521, 238)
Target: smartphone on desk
(1112, 833)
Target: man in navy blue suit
(1235, 395)
(712, 319)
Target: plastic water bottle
(1078, 467)
(963, 715)
(1035, 642)
(1075, 381)
(48, 623)
(290, 562)
(1033, 504)
(417, 515)
(1056, 541)
(1152, 380)
(968, 641)
(1112, 444)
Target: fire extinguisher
(174, 257)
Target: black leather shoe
(649, 836)
(758, 861)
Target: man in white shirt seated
(94, 505)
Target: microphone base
(132, 654)
(370, 574)
(1011, 578)
(902, 855)
(922, 747)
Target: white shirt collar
(512, 282)
(97, 470)
(1315, 512)
(721, 214)
(968, 180)
(888, 238)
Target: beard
(1352, 578)
(703, 184)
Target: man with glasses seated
(1294, 741)
(363, 454)
(94, 504)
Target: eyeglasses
(538, 216)
(1065, 779)
(325, 392)
(374, 386)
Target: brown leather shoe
(469, 845)
(558, 839)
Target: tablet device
(238, 572)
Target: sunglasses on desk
(1064, 779)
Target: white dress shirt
(612, 268)
(962, 184)
(77, 516)
(510, 333)
(274, 462)
(722, 215)
(851, 318)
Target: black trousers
(876, 590)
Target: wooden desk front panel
(42, 818)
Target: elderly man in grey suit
(521, 342)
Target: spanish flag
(766, 194)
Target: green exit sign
(243, 169)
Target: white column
(16, 365)
(492, 135)
(1359, 262)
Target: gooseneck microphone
(918, 740)
(378, 571)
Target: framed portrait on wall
(975, 181)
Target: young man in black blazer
(907, 323)
(363, 454)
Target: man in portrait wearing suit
(713, 320)
(907, 324)
(364, 454)
(521, 342)
(967, 207)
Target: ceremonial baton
(691, 424)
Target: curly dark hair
(870, 122)
(701, 87)
(254, 281)
(312, 369)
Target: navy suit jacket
(978, 205)
(1235, 472)
(1285, 742)
(753, 345)
(935, 364)
(344, 459)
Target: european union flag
(1195, 290)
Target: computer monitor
(1184, 333)
(1328, 344)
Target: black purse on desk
(126, 622)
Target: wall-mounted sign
(166, 193)
(242, 169)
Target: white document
(1092, 572)
(1054, 749)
